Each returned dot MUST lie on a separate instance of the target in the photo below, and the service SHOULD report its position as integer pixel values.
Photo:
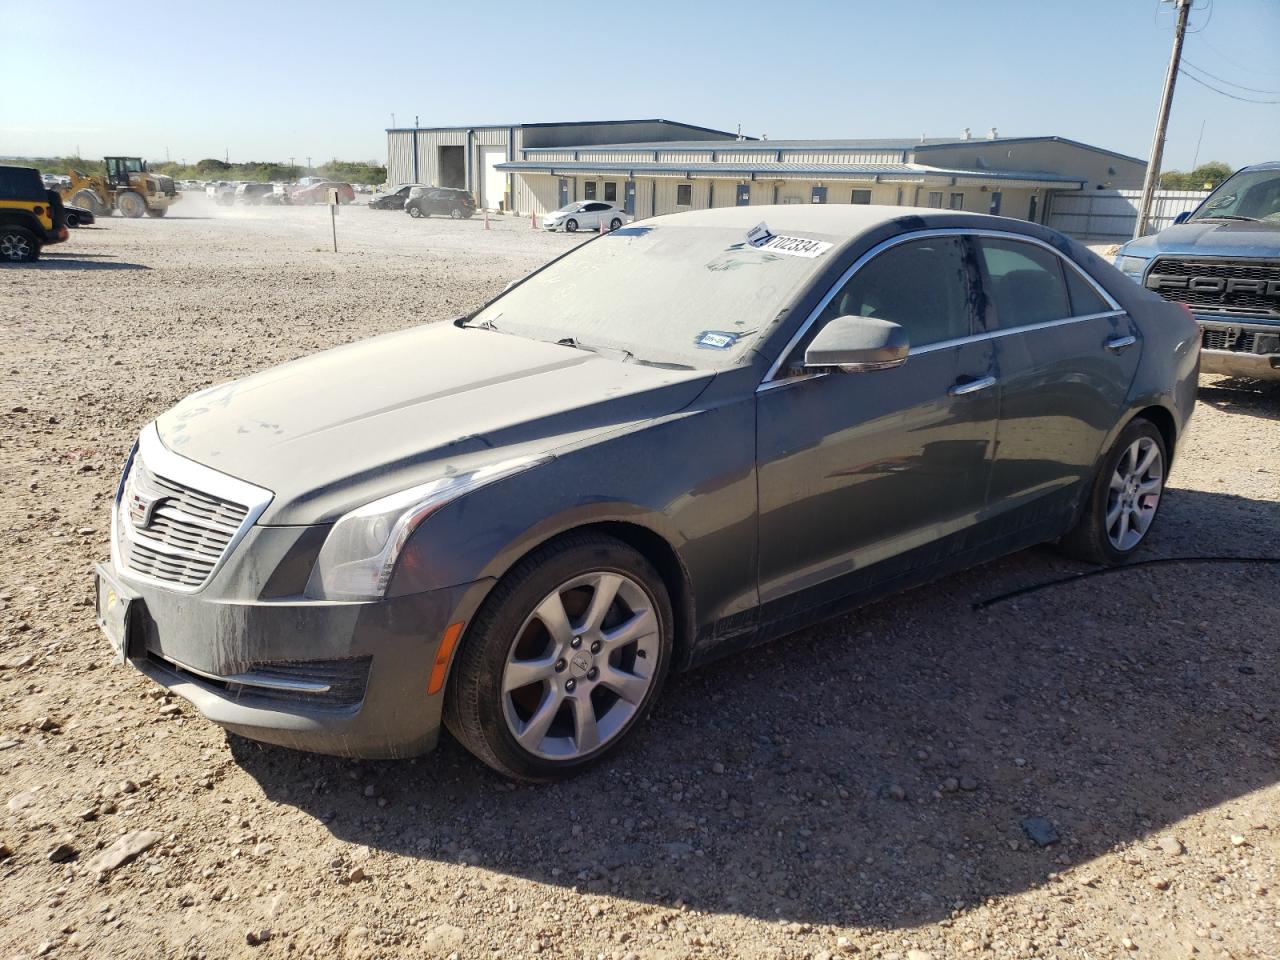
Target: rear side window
(21, 183)
(1024, 282)
(1085, 300)
(925, 286)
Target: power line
(1229, 83)
(1253, 68)
(1192, 76)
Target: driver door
(865, 478)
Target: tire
(130, 204)
(157, 212)
(415, 212)
(615, 224)
(582, 699)
(18, 245)
(570, 225)
(71, 219)
(1124, 494)
(89, 200)
(456, 213)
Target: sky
(277, 80)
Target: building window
(610, 191)
(957, 201)
(684, 194)
(935, 199)
(860, 196)
(589, 190)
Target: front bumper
(1240, 348)
(347, 679)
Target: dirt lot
(858, 789)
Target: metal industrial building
(652, 167)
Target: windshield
(1250, 195)
(694, 296)
(570, 207)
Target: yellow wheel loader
(128, 187)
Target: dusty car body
(520, 521)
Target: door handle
(1120, 344)
(971, 386)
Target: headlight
(360, 552)
(1132, 266)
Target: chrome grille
(174, 532)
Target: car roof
(1268, 165)
(841, 219)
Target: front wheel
(131, 204)
(415, 212)
(570, 225)
(1124, 499)
(566, 656)
(71, 219)
(87, 199)
(615, 224)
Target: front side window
(684, 195)
(610, 191)
(926, 286)
(1024, 282)
(589, 190)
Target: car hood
(1210, 238)
(338, 429)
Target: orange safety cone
(602, 230)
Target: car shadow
(1259, 398)
(876, 770)
(79, 262)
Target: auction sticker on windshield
(762, 238)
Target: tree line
(211, 168)
(1204, 177)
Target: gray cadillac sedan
(687, 436)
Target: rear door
(1066, 354)
(859, 468)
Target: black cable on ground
(1099, 571)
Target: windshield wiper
(1227, 216)
(627, 355)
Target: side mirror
(858, 344)
(1183, 217)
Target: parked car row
(228, 193)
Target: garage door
(493, 183)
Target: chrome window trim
(771, 379)
(162, 461)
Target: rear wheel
(456, 213)
(160, 211)
(18, 245)
(1125, 497)
(615, 223)
(131, 204)
(570, 225)
(87, 199)
(564, 658)
(415, 212)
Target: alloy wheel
(15, 247)
(1134, 493)
(581, 666)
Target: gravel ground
(868, 788)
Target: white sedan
(585, 215)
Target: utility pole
(1162, 121)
